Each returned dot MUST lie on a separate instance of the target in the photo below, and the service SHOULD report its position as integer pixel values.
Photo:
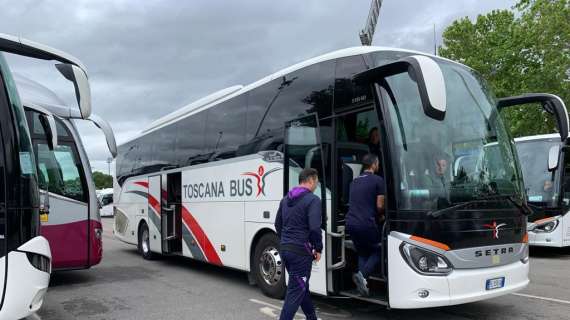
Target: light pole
(109, 160)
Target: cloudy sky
(148, 58)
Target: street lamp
(109, 160)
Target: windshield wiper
(441, 212)
(525, 208)
(522, 206)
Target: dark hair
(369, 160)
(307, 174)
(371, 132)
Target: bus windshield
(438, 164)
(541, 184)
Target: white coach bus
(205, 181)
(73, 227)
(25, 256)
(545, 163)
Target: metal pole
(109, 160)
(434, 41)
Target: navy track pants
(298, 294)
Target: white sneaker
(361, 284)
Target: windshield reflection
(541, 184)
(467, 156)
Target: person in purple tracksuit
(298, 225)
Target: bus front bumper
(26, 285)
(408, 288)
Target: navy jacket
(298, 222)
(364, 191)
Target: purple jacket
(298, 222)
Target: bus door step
(376, 278)
(372, 298)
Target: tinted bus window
(144, 155)
(346, 93)
(125, 160)
(305, 91)
(190, 139)
(225, 128)
(163, 150)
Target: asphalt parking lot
(124, 286)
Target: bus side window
(60, 172)
(190, 139)
(225, 128)
(346, 93)
(305, 91)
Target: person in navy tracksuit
(366, 207)
(298, 225)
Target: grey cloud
(148, 58)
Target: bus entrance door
(154, 213)
(303, 150)
(171, 213)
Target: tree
(526, 49)
(102, 180)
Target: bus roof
(34, 94)
(28, 48)
(223, 95)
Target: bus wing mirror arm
(70, 67)
(550, 103)
(80, 82)
(424, 71)
(107, 131)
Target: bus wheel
(268, 267)
(144, 242)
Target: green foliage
(102, 180)
(520, 51)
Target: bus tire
(144, 242)
(268, 267)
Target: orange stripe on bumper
(432, 243)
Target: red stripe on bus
(142, 183)
(154, 204)
(203, 241)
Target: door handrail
(342, 263)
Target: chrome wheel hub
(271, 266)
(145, 241)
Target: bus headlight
(546, 227)
(424, 261)
(39, 262)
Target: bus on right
(545, 165)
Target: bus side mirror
(550, 103)
(107, 131)
(553, 156)
(424, 71)
(78, 76)
(48, 123)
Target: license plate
(495, 283)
